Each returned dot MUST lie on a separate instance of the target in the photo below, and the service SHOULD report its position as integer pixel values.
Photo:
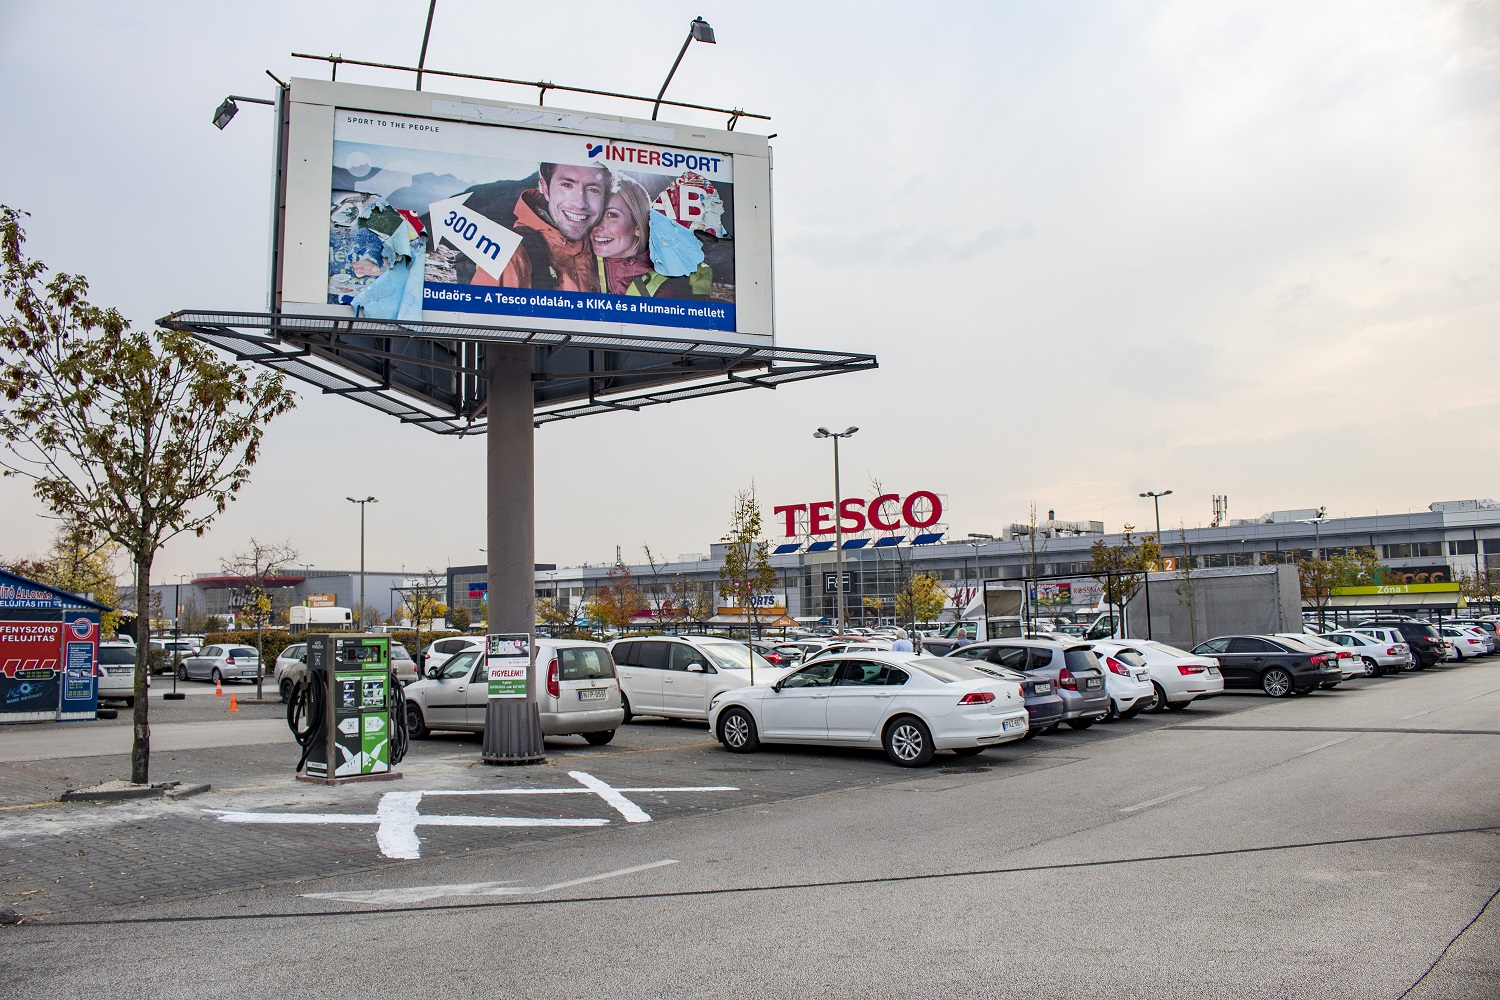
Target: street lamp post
(976, 541)
(367, 500)
(1318, 572)
(838, 519)
(1156, 503)
(173, 695)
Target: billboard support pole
(512, 726)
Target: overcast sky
(1237, 248)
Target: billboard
(414, 206)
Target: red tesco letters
(855, 514)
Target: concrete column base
(513, 732)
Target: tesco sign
(887, 512)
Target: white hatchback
(1127, 680)
(911, 705)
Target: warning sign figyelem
(508, 658)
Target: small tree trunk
(140, 747)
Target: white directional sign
(484, 241)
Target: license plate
(1010, 725)
(1213, 671)
(591, 694)
(1140, 676)
(1093, 683)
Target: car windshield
(398, 652)
(1169, 650)
(239, 651)
(584, 663)
(116, 654)
(995, 669)
(1130, 657)
(1424, 630)
(949, 670)
(733, 656)
(1303, 643)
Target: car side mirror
(695, 668)
(776, 687)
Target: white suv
(678, 676)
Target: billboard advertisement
(30, 671)
(408, 206)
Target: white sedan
(911, 705)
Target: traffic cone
(234, 703)
(219, 689)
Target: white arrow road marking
(422, 893)
(1162, 798)
(396, 818)
(484, 241)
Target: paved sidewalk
(85, 740)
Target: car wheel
(908, 742)
(1276, 682)
(416, 725)
(1083, 723)
(599, 739)
(216, 677)
(625, 706)
(1112, 714)
(1372, 669)
(130, 702)
(286, 691)
(1160, 704)
(1178, 706)
(968, 751)
(182, 672)
(737, 731)
(1050, 729)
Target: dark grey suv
(1073, 669)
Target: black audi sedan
(1278, 665)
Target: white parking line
(422, 893)
(1323, 746)
(396, 818)
(1162, 798)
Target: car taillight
(773, 657)
(1319, 659)
(228, 661)
(552, 686)
(977, 698)
(1116, 666)
(1190, 668)
(1344, 654)
(1065, 679)
(1391, 651)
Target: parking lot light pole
(361, 623)
(1156, 503)
(976, 541)
(1317, 523)
(838, 519)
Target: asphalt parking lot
(1342, 845)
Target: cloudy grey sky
(1247, 248)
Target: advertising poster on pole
(508, 657)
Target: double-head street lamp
(838, 518)
(1156, 503)
(976, 541)
(366, 500)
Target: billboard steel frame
(432, 374)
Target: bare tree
(255, 565)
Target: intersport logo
(700, 162)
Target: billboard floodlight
(226, 112)
(698, 31)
